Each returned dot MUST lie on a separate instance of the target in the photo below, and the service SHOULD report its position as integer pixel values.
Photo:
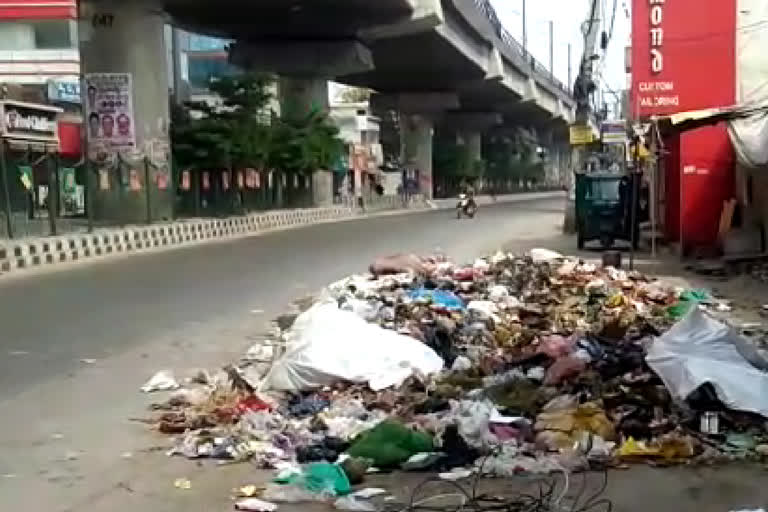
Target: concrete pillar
(417, 132)
(128, 37)
(322, 188)
(303, 94)
(473, 140)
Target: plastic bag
(390, 443)
(353, 504)
(563, 369)
(317, 481)
(544, 255)
(688, 299)
(556, 346)
(327, 345)
(442, 298)
(255, 505)
(699, 350)
(161, 381)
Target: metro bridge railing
(539, 70)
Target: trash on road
(699, 350)
(255, 505)
(511, 364)
(327, 345)
(182, 483)
(161, 381)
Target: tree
(303, 142)
(355, 95)
(232, 134)
(244, 132)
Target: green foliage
(452, 159)
(303, 142)
(513, 159)
(243, 132)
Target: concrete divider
(31, 253)
(28, 253)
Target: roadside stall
(29, 153)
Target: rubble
(511, 364)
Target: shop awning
(684, 121)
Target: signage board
(614, 132)
(64, 91)
(29, 122)
(683, 56)
(580, 134)
(110, 120)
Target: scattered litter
(544, 255)
(700, 350)
(16, 353)
(182, 483)
(161, 381)
(88, 361)
(539, 364)
(353, 504)
(368, 493)
(255, 505)
(455, 474)
(127, 455)
(249, 491)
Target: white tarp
(699, 350)
(326, 345)
(750, 135)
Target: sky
(568, 15)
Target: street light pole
(525, 29)
(552, 47)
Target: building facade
(38, 44)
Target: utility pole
(570, 69)
(525, 29)
(551, 47)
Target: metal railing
(538, 69)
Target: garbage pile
(534, 364)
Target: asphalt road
(77, 344)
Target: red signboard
(38, 9)
(683, 59)
(683, 55)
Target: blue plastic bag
(443, 298)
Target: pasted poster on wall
(134, 180)
(109, 113)
(186, 180)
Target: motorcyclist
(467, 199)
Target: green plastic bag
(390, 443)
(321, 478)
(687, 300)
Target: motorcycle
(466, 206)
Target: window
(202, 69)
(604, 190)
(53, 34)
(207, 44)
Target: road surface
(77, 344)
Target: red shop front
(684, 59)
